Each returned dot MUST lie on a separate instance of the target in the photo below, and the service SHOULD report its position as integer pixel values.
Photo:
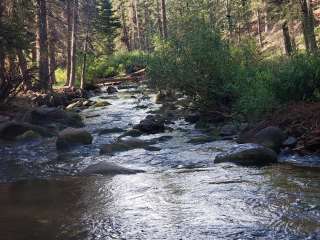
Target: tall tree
(43, 45)
(73, 64)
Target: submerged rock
(132, 133)
(111, 130)
(248, 155)
(73, 136)
(127, 145)
(105, 168)
(202, 140)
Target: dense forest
(251, 54)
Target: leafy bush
(195, 61)
(297, 78)
(119, 63)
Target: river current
(182, 194)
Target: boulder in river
(248, 155)
(11, 130)
(202, 140)
(46, 115)
(151, 125)
(73, 136)
(105, 168)
(228, 130)
(111, 90)
(270, 137)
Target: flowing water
(182, 194)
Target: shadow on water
(183, 195)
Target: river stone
(11, 130)
(151, 125)
(270, 137)
(73, 136)
(111, 90)
(105, 168)
(47, 115)
(248, 155)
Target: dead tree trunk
(69, 40)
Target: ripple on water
(183, 195)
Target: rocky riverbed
(135, 169)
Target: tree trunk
(159, 19)
(43, 45)
(137, 20)
(84, 64)
(164, 19)
(52, 51)
(308, 26)
(69, 40)
(287, 39)
(73, 64)
(125, 37)
(23, 65)
(266, 17)
(259, 28)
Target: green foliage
(195, 61)
(297, 78)
(117, 64)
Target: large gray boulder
(105, 168)
(73, 136)
(271, 137)
(47, 115)
(248, 155)
(11, 130)
(151, 125)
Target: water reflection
(183, 195)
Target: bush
(297, 78)
(195, 61)
(119, 63)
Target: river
(182, 194)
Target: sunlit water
(182, 195)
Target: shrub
(195, 61)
